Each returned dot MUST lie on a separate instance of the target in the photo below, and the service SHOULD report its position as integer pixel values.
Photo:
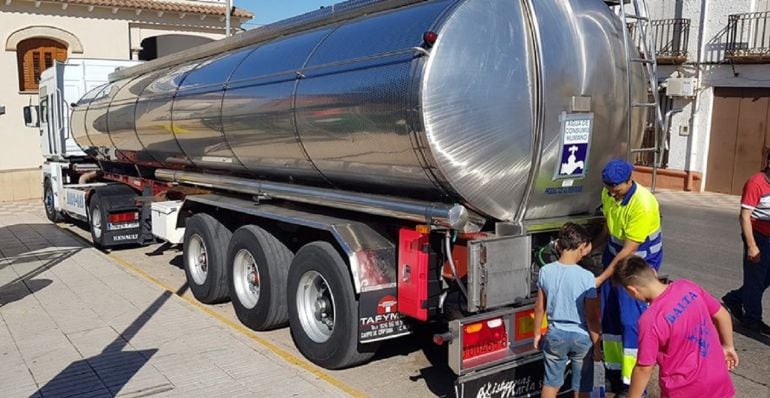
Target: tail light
(118, 218)
(524, 325)
(430, 38)
(490, 339)
(484, 337)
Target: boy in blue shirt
(567, 293)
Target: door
(739, 137)
(46, 142)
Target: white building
(35, 33)
(720, 136)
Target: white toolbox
(164, 216)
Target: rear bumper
(520, 378)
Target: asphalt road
(701, 243)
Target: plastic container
(598, 390)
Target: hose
(448, 245)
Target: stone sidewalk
(75, 324)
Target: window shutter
(33, 57)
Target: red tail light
(485, 337)
(117, 218)
(430, 38)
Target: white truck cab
(61, 85)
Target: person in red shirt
(684, 330)
(745, 303)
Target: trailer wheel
(204, 254)
(323, 309)
(50, 209)
(96, 221)
(259, 265)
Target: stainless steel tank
(364, 104)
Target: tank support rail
(452, 216)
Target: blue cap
(617, 171)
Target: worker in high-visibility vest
(633, 226)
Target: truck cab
(61, 85)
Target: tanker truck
(368, 167)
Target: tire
(258, 269)
(318, 271)
(96, 220)
(50, 210)
(204, 254)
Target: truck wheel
(50, 209)
(323, 309)
(203, 253)
(96, 221)
(259, 267)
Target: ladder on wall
(642, 52)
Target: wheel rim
(48, 200)
(246, 278)
(96, 222)
(197, 259)
(315, 306)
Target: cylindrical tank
(359, 105)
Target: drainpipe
(228, 13)
(696, 100)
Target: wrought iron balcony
(748, 37)
(670, 39)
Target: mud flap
(378, 316)
(116, 199)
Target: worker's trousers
(620, 332)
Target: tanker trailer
(359, 169)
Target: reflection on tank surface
(365, 104)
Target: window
(43, 110)
(33, 57)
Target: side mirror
(31, 116)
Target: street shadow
(24, 244)
(109, 372)
(177, 261)
(438, 377)
(18, 290)
(743, 331)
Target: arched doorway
(33, 56)
(159, 46)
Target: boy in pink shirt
(684, 330)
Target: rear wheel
(323, 309)
(204, 255)
(96, 221)
(48, 202)
(259, 265)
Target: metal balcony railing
(671, 38)
(748, 37)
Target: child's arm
(724, 327)
(639, 379)
(593, 312)
(629, 248)
(539, 311)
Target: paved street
(74, 323)
(76, 320)
(702, 243)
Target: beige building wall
(89, 32)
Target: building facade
(713, 65)
(34, 34)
